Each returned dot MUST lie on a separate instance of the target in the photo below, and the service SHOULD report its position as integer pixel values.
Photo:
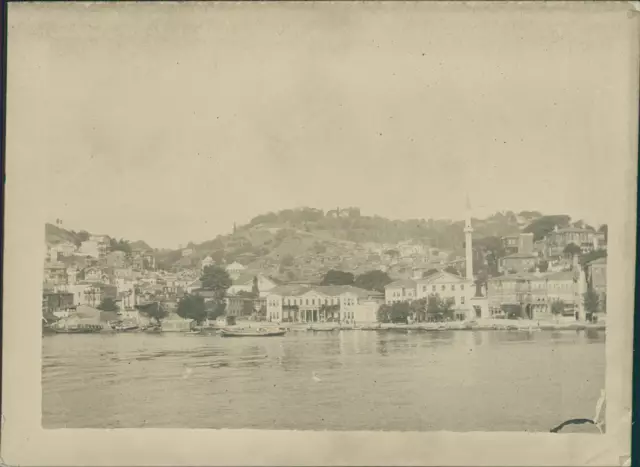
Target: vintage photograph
(322, 218)
(389, 233)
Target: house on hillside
(116, 259)
(235, 269)
(457, 290)
(518, 262)
(557, 240)
(244, 283)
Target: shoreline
(390, 327)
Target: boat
(153, 330)
(257, 332)
(127, 328)
(324, 329)
(79, 329)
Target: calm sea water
(348, 380)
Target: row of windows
(434, 288)
(307, 301)
(451, 299)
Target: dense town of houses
(85, 275)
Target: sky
(169, 123)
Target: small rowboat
(325, 329)
(258, 332)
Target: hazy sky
(168, 123)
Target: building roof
(402, 283)
(328, 290)
(515, 277)
(560, 276)
(574, 230)
(602, 260)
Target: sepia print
(329, 217)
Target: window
(313, 301)
(444, 287)
(453, 287)
(424, 288)
(433, 288)
(462, 300)
(461, 286)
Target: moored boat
(79, 329)
(257, 332)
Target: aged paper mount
(32, 171)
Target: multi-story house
(116, 259)
(532, 295)
(456, 290)
(557, 240)
(597, 275)
(404, 290)
(235, 269)
(314, 304)
(55, 273)
(244, 283)
(518, 262)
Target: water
(364, 380)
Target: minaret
(468, 243)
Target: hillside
(55, 235)
(302, 243)
(294, 243)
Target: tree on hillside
(542, 226)
(192, 307)
(603, 303)
(373, 280)
(154, 310)
(335, 277)
(572, 250)
(108, 304)
(216, 279)
(120, 245)
(83, 235)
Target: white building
(208, 261)
(235, 269)
(317, 304)
(244, 283)
(90, 248)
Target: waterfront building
(596, 272)
(290, 303)
(235, 269)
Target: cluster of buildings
(524, 287)
(91, 272)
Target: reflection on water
(349, 380)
